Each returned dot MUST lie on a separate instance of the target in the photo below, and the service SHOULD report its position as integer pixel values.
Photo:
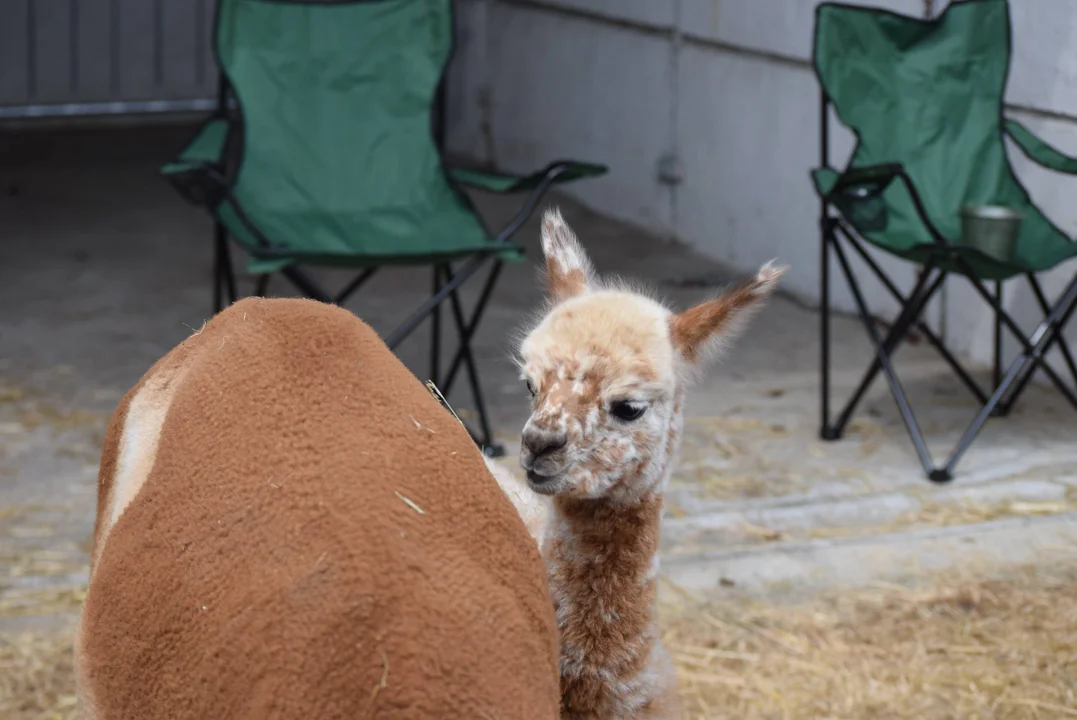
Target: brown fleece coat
(311, 537)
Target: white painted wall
(726, 87)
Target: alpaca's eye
(627, 411)
(530, 388)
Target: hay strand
(441, 399)
(410, 503)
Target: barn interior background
(802, 579)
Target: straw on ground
(1002, 648)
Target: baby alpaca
(608, 369)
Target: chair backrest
(926, 94)
(336, 100)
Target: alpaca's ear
(568, 269)
(701, 331)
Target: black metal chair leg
(306, 284)
(489, 447)
(229, 271)
(996, 374)
(354, 285)
(1056, 336)
(1033, 353)
(1044, 332)
(220, 260)
(921, 326)
(435, 334)
(261, 285)
(896, 388)
(218, 282)
(464, 330)
(898, 331)
(1062, 346)
(450, 282)
(413, 321)
(826, 432)
(476, 316)
(826, 229)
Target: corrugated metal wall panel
(81, 57)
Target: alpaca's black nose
(540, 442)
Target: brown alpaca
(290, 526)
(608, 369)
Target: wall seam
(486, 88)
(676, 41)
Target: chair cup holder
(864, 207)
(991, 229)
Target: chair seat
(397, 236)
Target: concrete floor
(103, 269)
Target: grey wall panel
(52, 41)
(14, 51)
(179, 48)
(95, 35)
(56, 55)
(207, 10)
(135, 26)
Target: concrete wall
(721, 94)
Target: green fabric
(1039, 151)
(339, 165)
(206, 147)
(928, 95)
(501, 183)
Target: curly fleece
(316, 537)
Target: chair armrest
(867, 181)
(1038, 151)
(206, 148)
(863, 184)
(505, 183)
(542, 182)
(197, 172)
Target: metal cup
(991, 229)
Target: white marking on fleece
(560, 244)
(653, 570)
(534, 509)
(139, 440)
(656, 679)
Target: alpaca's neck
(602, 568)
(602, 565)
(614, 542)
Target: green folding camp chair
(321, 152)
(925, 100)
